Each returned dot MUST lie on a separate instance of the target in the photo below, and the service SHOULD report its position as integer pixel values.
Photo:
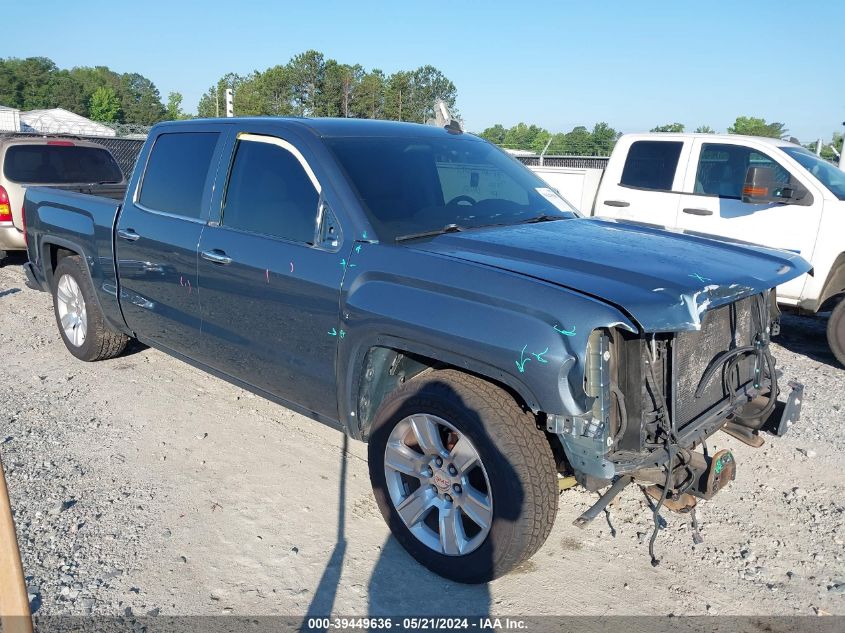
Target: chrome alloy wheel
(72, 313)
(438, 485)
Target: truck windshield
(60, 164)
(830, 176)
(415, 185)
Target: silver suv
(63, 162)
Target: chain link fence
(124, 150)
(578, 162)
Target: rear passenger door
(157, 236)
(269, 281)
(646, 187)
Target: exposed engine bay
(657, 398)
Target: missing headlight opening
(656, 398)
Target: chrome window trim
(280, 142)
(167, 214)
(291, 149)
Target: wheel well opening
(831, 302)
(386, 369)
(57, 254)
(834, 286)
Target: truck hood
(664, 280)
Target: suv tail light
(5, 207)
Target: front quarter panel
(524, 333)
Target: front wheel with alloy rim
(462, 475)
(81, 323)
(836, 331)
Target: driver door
(711, 203)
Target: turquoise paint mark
(333, 332)
(342, 334)
(345, 264)
(358, 248)
(364, 235)
(539, 356)
(520, 364)
(565, 332)
(700, 278)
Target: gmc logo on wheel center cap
(441, 481)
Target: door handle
(693, 211)
(617, 203)
(217, 256)
(128, 234)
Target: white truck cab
(759, 190)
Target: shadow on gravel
(807, 336)
(133, 347)
(326, 592)
(14, 258)
(10, 291)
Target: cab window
(270, 193)
(174, 179)
(651, 165)
(722, 168)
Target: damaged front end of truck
(657, 397)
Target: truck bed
(79, 222)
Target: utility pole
(819, 147)
(230, 104)
(545, 149)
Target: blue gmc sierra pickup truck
(419, 289)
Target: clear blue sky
(633, 64)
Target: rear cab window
(651, 165)
(61, 162)
(175, 176)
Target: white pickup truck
(760, 190)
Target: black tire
(515, 453)
(836, 331)
(101, 342)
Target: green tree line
(97, 93)
(308, 85)
(600, 140)
(311, 85)
(580, 141)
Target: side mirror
(761, 188)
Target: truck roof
(329, 127)
(685, 136)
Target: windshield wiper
(545, 217)
(449, 228)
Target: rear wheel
(81, 323)
(462, 475)
(836, 331)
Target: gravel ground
(141, 485)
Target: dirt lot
(140, 483)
